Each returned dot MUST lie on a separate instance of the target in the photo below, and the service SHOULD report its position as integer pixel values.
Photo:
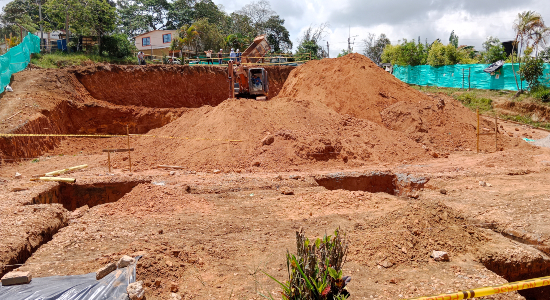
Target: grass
(60, 59)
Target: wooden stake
(129, 155)
(477, 145)
(496, 133)
(109, 160)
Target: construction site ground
(210, 229)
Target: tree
(453, 39)
(436, 55)
(309, 42)
(101, 17)
(187, 38)
(208, 10)
(525, 26)
(181, 13)
(344, 52)
(118, 45)
(139, 16)
(545, 55)
(240, 24)
(493, 51)
(70, 13)
(259, 12)
(531, 71)
(375, 47)
(278, 36)
(391, 54)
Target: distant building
(387, 67)
(157, 43)
(508, 46)
(50, 39)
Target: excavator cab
(258, 81)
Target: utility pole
(328, 51)
(349, 40)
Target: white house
(156, 42)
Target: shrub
(117, 45)
(315, 273)
(472, 101)
(540, 92)
(531, 71)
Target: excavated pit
(73, 196)
(104, 99)
(162, 86)
(374, 182)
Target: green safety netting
(17, 58)
(464, 76)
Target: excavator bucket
(258, 48)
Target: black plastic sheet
(74, 287)
(494, 66)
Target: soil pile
(351, 85)
(329, 112)
(278, 134)
(409, 235)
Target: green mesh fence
(17, 58)
(464, 76)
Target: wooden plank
(69, 180)
(118, 150)
(170, 167)
(59, 172)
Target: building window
(146, 41)
(167, 38)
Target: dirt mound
(351, 85)
(354, 85)
(296, 132)
(409, 235)
(442, 124)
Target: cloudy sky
(472, 20)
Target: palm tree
(188, 35)
(525, 26)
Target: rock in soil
(268, 140)
(440, 256)
(125, 261)
(105, 271)
(135, 290)
(285, 190)
(16, 277)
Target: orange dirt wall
(166, 85)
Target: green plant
(315, 273)
(540, 92)
(531, 71)
(472, 101)
(117, 45)
(35, 160)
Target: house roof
(148, 32)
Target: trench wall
(166, 85)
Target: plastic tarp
(75, 287)
(493, 67)
(464, 76)
(17, 58)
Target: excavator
(250, 81)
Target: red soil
(329, 113)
